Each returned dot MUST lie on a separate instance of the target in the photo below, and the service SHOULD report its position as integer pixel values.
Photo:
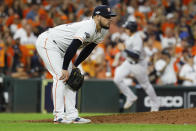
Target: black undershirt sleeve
(70, 52)
(84, 53)
(131, 54)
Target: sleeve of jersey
(84, 33)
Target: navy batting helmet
(131, 25)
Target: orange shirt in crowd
(140, 18)
(44, 15)
(165, 3)
(154, 2)
(186, 2)
(10, 20)
(24, 51)
(80, 12)
(194, 50)
(8, 2)
(175, 65)
(33, 23)
(157, 45)
(25, 12)
(44, 2)
(2, 55)
(48, 75)
(10, 55)
(167, 25)
(179, 49)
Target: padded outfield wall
(34, 95)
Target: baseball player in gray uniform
(136, 66)
(58, 46)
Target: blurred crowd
(168, 29)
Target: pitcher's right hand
(65, 75)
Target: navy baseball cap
(131, 25)
(104, 11)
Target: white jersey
(169, 75)
(188, 72)
(84, 30)
(135, 44)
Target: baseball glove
(75, 79)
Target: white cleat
(154, 108)
(77, 120)
(80, 120)
(63, 121)
(129, 102)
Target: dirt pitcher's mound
(180, 116)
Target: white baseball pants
(139, 71)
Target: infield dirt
(180, 116)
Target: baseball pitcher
(136, 66)
(57, 47)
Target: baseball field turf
(17, 122)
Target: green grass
(15, 122)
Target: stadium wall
(34, 95)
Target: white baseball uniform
(138, 70)
(51, 46)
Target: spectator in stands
(169, 39)
(187, 72)
(17, 55)
(20, 32)
(42, 25)
(16, 24)
(29, 37)
(20, 72)
(185, 33)
(165, 23)
(9, 53)
(10, 18)
(164, 68)
(36, 68)
(33, 12)
(17, 6)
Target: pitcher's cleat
(80, 120)
(63, 121)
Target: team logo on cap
(109, 10)
(97, 12)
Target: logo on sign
(166, 101)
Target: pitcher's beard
(105, 27)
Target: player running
(135, 65)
